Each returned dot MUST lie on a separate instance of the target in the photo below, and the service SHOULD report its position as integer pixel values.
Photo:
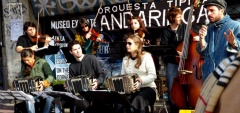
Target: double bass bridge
(184, 72)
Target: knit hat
(219, 3)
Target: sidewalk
(6, 108)
(9, 108)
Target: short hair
(72, 43)
(172, 13)
(28, 24)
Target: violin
(42, 38)
(94, 36)
(39, 37)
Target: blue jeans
(48, 104)
(49, 100)
(58, 109)
(30, 105)
(171, 73)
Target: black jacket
(89, 65)
(171, 37)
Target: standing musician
(218, 40)
(29, 39)
(136, 26)
(173, 34)
(89, 40)
(140, 62)
(37, 67)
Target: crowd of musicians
(216, 41)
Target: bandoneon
(79, 83)
(123, 84)
(26, 85)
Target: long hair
(82, 23)
(137, 41)
(172, 13)
(27, 53)
(142, 29)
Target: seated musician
(84, 64)
(28, 40)
(140, 62)
(37, 67)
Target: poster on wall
(112, 24)
(17, 24)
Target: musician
(218, 40)
(140, 62)
(37, 67)
(136, 26)
(84, 64)
(173, 34)
(28, 40)
(85, 37)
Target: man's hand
(230, 38)
(65, 86)
(34, 47)
(203, 32)
(94, 84)
(47, 41)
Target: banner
(112, 23)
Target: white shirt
(146, 71)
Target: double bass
(187, 85)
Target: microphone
(206, 22)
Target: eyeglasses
(84, 26)
(129, 43)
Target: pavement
(6, 107)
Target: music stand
(15, 95)
(69, 57)
(162, 50)
(61, 94)
(107, 97)
(47, 50)
(117, 49)
(40, 94)
(164, 106)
